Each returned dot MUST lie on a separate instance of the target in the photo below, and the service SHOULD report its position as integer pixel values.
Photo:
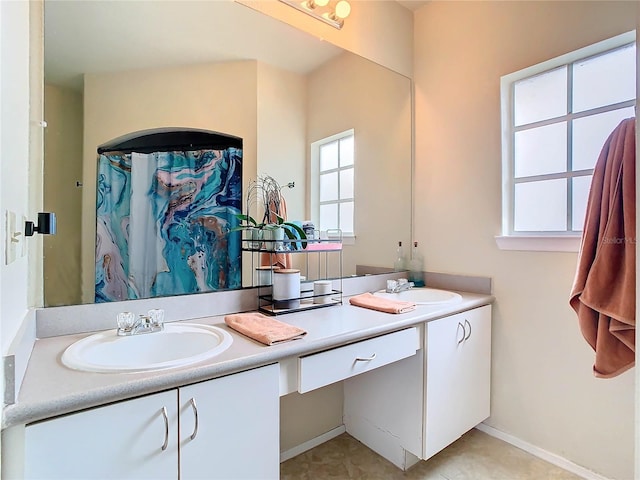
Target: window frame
(568, 240)
(348, 237)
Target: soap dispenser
(400, 263)
(416, 267)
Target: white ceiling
(97, 36)
(412, 4)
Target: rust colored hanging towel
(604, 289)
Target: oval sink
(175, 346)
(423, 296)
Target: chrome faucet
(128, 325)
(400, 285)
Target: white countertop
(50, 389)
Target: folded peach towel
(604, 289)
(262, 328)
(368, 300)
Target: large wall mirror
(112, 68)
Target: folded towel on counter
(262, 328)
(368, 300)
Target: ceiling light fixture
(331, 13)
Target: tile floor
(475, 456)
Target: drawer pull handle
(195, 415)
(365, 359)
(466, 322)
(460, 326)
(165, 416)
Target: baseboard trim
(552, 458)
(309, 444)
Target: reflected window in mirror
(333, 174)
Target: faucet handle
(126, 320)
(157, 316)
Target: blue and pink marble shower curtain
(162, 223)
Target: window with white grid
(333, 164)
(556, 117)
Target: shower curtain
(162, 223)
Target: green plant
(290, 234)
(249, 222)
(265, 194)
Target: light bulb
(312, 4)
(343, 9)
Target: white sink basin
(423, 296)
(175, 346)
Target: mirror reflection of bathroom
(264, 81)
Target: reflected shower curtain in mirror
(162, 223)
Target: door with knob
(458, 370)
(134, 439)
(229, 427)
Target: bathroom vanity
(411, 410)
(414, 382)
(222, 428)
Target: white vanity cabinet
(122, 440)
(226, 428)
(414, 408)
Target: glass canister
(264, 275)
(309, 229)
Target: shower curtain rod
(164, 140)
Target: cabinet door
(457, 376)
(229, 427)
(118, 441)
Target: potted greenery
(265, 194)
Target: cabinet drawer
(324, 368)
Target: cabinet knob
(466, 322)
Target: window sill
(349, 240)
(539, 243)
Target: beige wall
(282, 119)
(281, 116)
(63, 151)
(380, 30)
(304, 417)
(21, 50)
(345, 94)
(543, 390)
(220, 97)
(14, 163)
